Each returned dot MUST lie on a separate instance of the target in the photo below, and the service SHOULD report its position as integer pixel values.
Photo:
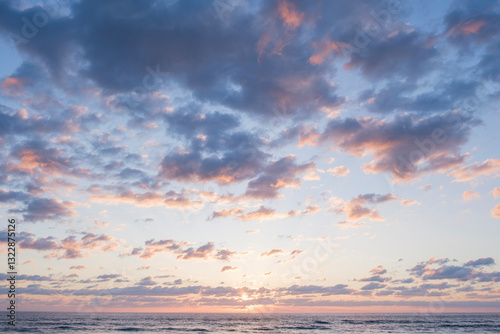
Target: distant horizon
(253, 313)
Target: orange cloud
(324, 50)
(495, 212)
(262, 213)
(486, 168)
(289, 14)
(12, 86)
(31, 159)
(77, 267)
(470, 195)
(171, 199)
(467, 27)
(356, 207)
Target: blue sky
(263, 156)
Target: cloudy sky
(252, 156)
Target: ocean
(54, 323)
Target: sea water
(54, 323)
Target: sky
(252, 156)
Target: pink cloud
(228, 268)
(291, 17)
(495, 212)
(272, 252)
(339, 171)
(469, 195)
(489, 167)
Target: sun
(245, 297)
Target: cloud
(373, 286)
(398, 97)
(262, 213)
(495, 212)
(403, 54)
(275, 251)
(470, 271)
(489, 167)
(201, 252)
(147, 281)
(427, 187)
(356, 208)
(469, 26)
(12, 196)
(170, 199)
(37, 157)
(339, 289)
(46, 243)
(153, 247)
(484, 261)
(278, 174)
(29, 278)
(376, 276)
(41, 209)
(107, 277)
(204, 252)
(496, 192)
(218, 151)
(253, 231)
(225, 254)
(448, 272)
(228, 268)
(193, 167)
(80, 267)
(339, 171)
(405, 147)
(469, 195)
(409, 202)
(72, 247)
(289, 14)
